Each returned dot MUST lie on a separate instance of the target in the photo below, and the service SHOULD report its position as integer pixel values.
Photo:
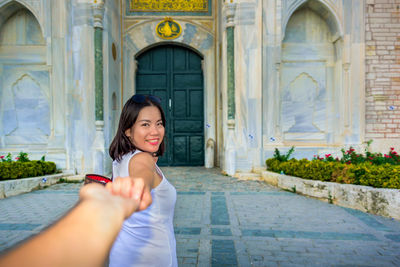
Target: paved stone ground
(220, 221)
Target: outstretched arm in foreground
(83, 237)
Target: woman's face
(148, 131)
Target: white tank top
(147, 237)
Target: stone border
(379, 201)
(19, 186)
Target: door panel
(175, 75)
(187, 80)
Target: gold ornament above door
(168, 29)
(169, 5)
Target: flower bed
(22, 167)
(371, 169)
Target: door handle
(170, 103)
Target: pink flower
(17, 158)
(1, 157)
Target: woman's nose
(154, 129)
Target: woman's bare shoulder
(143, 159)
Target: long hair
(121, 144)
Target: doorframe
(172, 44)
(135, 42)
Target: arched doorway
(174, 73)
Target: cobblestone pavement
(220, 221)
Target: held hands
(131, 188)
(99, 194)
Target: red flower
(1, 157)
(327, 155)
(17, 158)
(394, 152)
(392, 148)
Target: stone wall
(382, 56)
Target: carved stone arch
(167, 43)
(9, 7)
(319, 6)
(193, 36)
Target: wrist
(106, 209)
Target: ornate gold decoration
(168, 29)
(169, 5)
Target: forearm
(82, 238)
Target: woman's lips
(153, 142)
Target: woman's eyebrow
(144, 120)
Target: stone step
(247, 176)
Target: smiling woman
(138, 143)
(148, 131)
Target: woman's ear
(128, 132)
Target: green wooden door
(175, 74)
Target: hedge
(15, 170)
(380, 176)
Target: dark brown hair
(121, 144)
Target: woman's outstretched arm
(83, 237)
(140, 180)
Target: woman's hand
(97, 193)
(132, 188)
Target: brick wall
(382, 57)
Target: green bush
(365, 173)
(18, 169)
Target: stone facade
(316, 74)
(382, 54)
(47, 81)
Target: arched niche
(22, 29)
(21, 36)
(9, 7)
(310, 75)
(325, 8)
(25, 101)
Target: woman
(147, 237)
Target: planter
(379, 201)
(15, 187)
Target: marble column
(99, 141)
(230, 149)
